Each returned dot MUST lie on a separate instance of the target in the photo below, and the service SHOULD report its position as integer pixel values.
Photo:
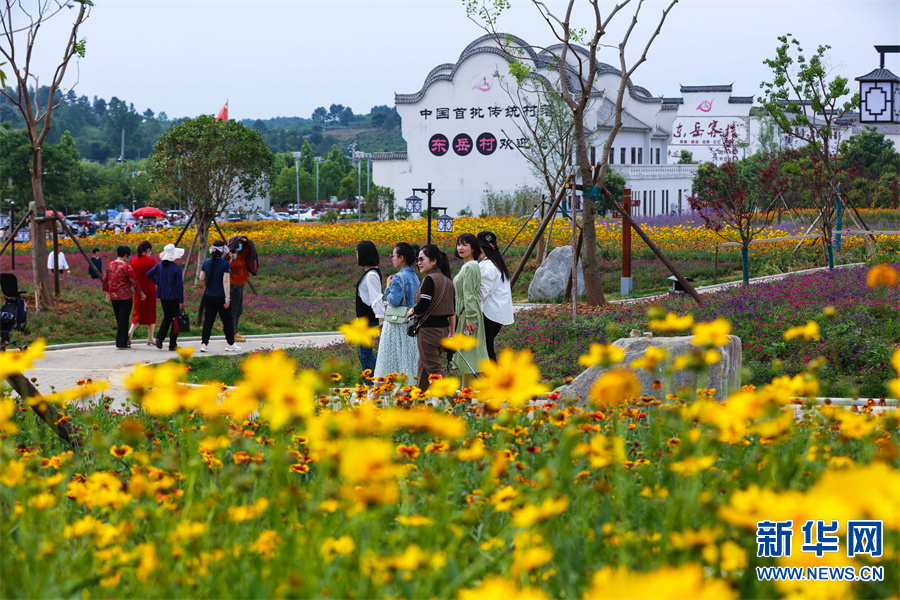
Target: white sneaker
(202, 347)
(232, 348)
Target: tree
(346, 116)
(19, 36)
(307, 158)
(870, 153)
(577, 74)
(740, 195)
(686, 158)
(214, 165)
(805, 104)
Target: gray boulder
(553, 275)
(724, 376)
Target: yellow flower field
(286, 486)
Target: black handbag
(184, 322)
(414, 323)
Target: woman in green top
(469, 321)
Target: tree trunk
(43, 411)
(592, 285)
(39, 234)
(204, 222)
(745, 264)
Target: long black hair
(472, 241)
(435, 254)
(407, 252)
(367, 253)
(488, 242)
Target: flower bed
(496, 496)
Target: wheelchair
(14, 313)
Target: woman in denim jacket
(397, 352)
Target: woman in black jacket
(170, 291)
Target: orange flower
(121, 451)
(411, 451)
(883, 275)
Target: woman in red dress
(144, 310)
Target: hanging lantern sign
(413, 204)
(444, 224)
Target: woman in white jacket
(496, 294)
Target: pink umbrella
(148, 211)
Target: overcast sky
(285, 58)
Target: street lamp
(318, 159)
(413, 200)
(444, 223)
(297, 156)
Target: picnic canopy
(148, 211)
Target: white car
(306, 215)
(283, 216)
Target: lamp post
(297, 156)
(318, 159)
(414, 204)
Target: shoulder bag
(397, 314)
(415, 322)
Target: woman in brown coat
(436, 289)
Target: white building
(462, 134)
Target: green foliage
(214, 164)
(687, 158)
(871, 154)
(519, 202)
(379, 203)
(330, 217)
(800, 90)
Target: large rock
(553, 275)
(724, 376)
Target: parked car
(266, 215)
(283, 216)
(234, 217)
(306, 215)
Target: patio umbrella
(148, 211)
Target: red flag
(223, 114)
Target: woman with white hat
(170, 290)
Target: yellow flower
(693, 465)
(185, 352)
(358, 332)
(42, 501)
(496, 586)
(685, 581)
(529, 559)
(459, 342)
(883, 275)
(475, 451)
(7, 411)
(895, 360)
(239, 514)
(331, 547)
(266, 544)
(601, 354)
(530, 514)
(445, 386)
(271, 379)
(713, 333)
(602, 451)
(149, 561)
(502, 498)
(121, 452)
(651, 358)
(16, 362)
(672, 322)
(614, 387)
(807, 332)
(414, 520)
(513, 380)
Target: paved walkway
(65, 364)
